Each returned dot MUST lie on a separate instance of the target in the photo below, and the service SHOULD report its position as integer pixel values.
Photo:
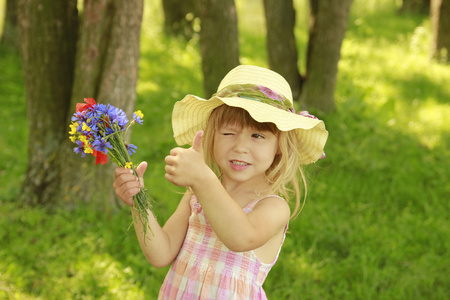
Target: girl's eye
(257, 135)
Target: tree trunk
(440, 18)
(105, 68)
(281, 46)
(179, 17)
(415, 6)
(328, 23)
(219, 41)
(47, 42)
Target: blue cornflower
(101, 145)
(115, 115)
(137, 116)
(78, 117)
(79, 148)
(112, 112)
(131, 148)
(93, 125)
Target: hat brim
(191, 115)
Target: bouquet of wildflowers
(100, 130)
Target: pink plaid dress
(206, 269)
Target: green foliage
(375, 225)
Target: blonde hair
(285, 172)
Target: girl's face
(244, 153)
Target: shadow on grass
(418, 86)
(83, 253)
(383, 24)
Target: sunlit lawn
(375, 225)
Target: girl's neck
(243, 193)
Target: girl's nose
(242, 144)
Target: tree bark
(105, 68)
(415, 6)
(47, 42)
(179, 17)
(219, 41)
(281, 46)
(440, 19)
(328, 23)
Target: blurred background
(375, 223)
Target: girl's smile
(239, 165)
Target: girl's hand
(185, 167)
(126, 184)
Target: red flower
(82, 106)
(100, 158)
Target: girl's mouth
(239, 165)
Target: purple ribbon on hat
(257, 93)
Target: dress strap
(253, 203)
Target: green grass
(375, 225)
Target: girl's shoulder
(255, 202)
(271, 205)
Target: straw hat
(265, 95)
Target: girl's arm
(163, 246)
(237, 230)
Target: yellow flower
(88, 150)
(128, 165)
(86, 127)
(73, 138)
(73, 128)
(139, 114)
(83, 138)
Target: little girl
(248, 145)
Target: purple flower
(79, 148)
(138, 119)
(79, 117)
(116, 115)
(101, 145)
(131, 148)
